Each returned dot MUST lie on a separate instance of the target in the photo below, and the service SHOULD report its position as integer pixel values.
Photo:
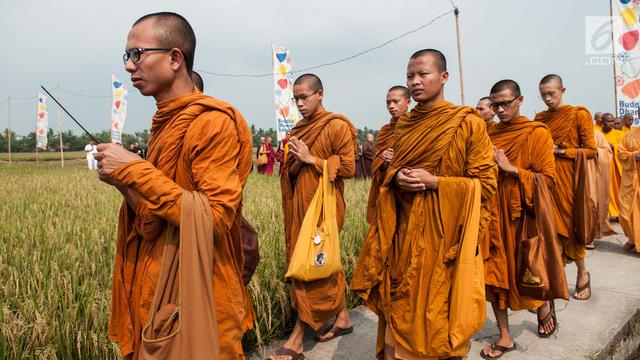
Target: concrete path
(595, 329)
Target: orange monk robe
(330, 137)
(600, 175)
(630, 186)
(379, 167)
(529, 147)
(613, 137)
(404, 272)
(571, 128)
(625, 129)
(199, 144)
(491, 124)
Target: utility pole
(457, 13)
(9, 125)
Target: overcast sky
(80, 44)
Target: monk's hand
(301, 151)
(503, 162)
(427, 179)
(406, 182)
(558, 150)
(387, 155)
(111, 157)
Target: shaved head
(173, 31)
(506, 85)
(551, 78)
(402, 89)
(440, 60)
(197, 81)
(311, 80)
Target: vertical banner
(118, 109)
(285, 108)
(42, 122)
(626, 52)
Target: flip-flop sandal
(283, 351)
(581, 289)
(628, 247)
(550, 315)
(335, 331)
(503, 350)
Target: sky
(79, 48)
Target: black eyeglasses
(304, 98)
(134, 54)
(504, 104)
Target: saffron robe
(600, 174)
(330, 137)
(613, 137)
(630, 186)
(386, 136)
(529, 147)
(404, 272)
(197, 143)
(368, 154)
(571, 128)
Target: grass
(42, 156)
(57, 244)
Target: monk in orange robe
(522, 149)
(197, 143)
(321, 135)
(572, 131)
(613, 137)
(484, 108)
(597, 119)
(404, 272)
(629, 152)
(600, 170)
(627, 122)
(398, 100)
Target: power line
(84, 95)
(340, 60)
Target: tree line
(76, 142)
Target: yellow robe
(630, 186)
(613, 137)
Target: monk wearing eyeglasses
(572, 131)
(321, 135)
(200, 146)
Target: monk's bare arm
(587, 141)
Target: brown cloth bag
(540, 268)
(585, 212)
(182, 322)
(250, 250)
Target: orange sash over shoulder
(386, 136)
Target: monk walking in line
(442, 168)
(572, 131)
(629, 153)
(198, 145)
(484, 108)
(613, 137)
(398, 100)
(321, 135)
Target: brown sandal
(503, 350)
(283, 351)
(579, 289)
(629, 247)
(550, 315)
(335, 331)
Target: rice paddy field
(57, 245)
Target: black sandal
(283, 351)
(579, 289)
(550, 315)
